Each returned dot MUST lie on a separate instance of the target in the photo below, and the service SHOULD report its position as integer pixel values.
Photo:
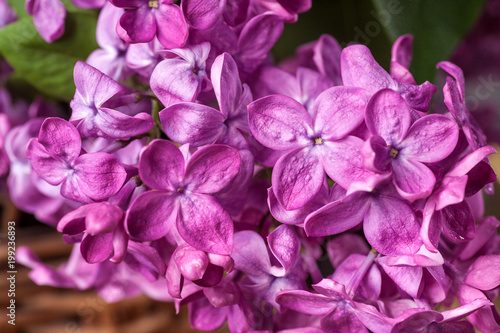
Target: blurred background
(466, 32)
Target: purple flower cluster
(195, 170)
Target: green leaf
(49, 67)
(437, 27)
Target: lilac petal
(485, 231)
(468, 162)
(458, 222)
(204, 224)
(372, 318)
(417, 322)
(457, 74)
(71, 188)
(93, 88)
(412, 179)
(423, 258)
(343, 162)
(100, 175)
(359, 69)
(213, 275)
(406, 277)
(161, 165)
(306, 302)
(192, 263)
(204, 316)
(279, 122)
(120, 244)
(148, 258)
(103, 218)
(151, 215)
(192, 123)
(171, 26)
(376, 154)
(296, 6)
(344, 245)
(173, 80)
(89, 3)
(74, 222)
(296, 216)
(338, 110)
(484, 273)
(485, 319)
(297, 177)
(344, 320)
(451, 191)
(370, 285)
(430, 139)
(97, 248)
(250, 254)
(175, 280)
(271, 80)
(464, 310)
(417, 97)
(60, 138)
(388, 115)
(211, 168)
(137, 25)
(310, 85)
(257, 38)
(285, 246)
(106, 36)
(326, 56)
(401, 58)
(391, 227)
(225, 294)
(337, 216)
(202, 14)
(118, 125)
(48, 17)
(226, 83)
(52, 170)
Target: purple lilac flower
(90, 113)
(56, 157)
(182, 196)
(48, 17)
(146, 19)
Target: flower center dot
(153, 4)
(394, 153)
(180, 190)
(318, 141)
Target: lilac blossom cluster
(194, 170)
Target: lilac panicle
(48, 17)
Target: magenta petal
(204, 316)
(53, 170)
(74, 222)
(250, 254)
(338, 110)
(226, 83)
(359, 69)
(279, 122)
(151, 215)
(103, 218)
(297, 178)
(48, 17)
(484, 274)
(412, 179)
(171, 26)
(344, 320)
(337, 216)
(401, 58)
(97, 248)
(211, 168)
(391, 227)
(202, 14)
(458, 222)
(388, 115)
(406, 277)
(137, 25)
(376, 154)
(100, 175)
(204, 224)
(344, 245)
(285, 245)
(60, 138)
(306, 302)
(118, 125)
(326, 56)
(430, 139)
(161, 165)
(192, 123)
(485, 319)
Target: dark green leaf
(49, 67)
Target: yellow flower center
(153, 4)
(318, 141)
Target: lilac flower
(143, 57)
(147, 19)
(359, 69)
(402, 148)
(91, 115)
(182, 196)
(56, 157)
(202, 14)
(198, 124)
(48, 17)
(338, 311)
(318, 142)
(181, 79)
(110, 58)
